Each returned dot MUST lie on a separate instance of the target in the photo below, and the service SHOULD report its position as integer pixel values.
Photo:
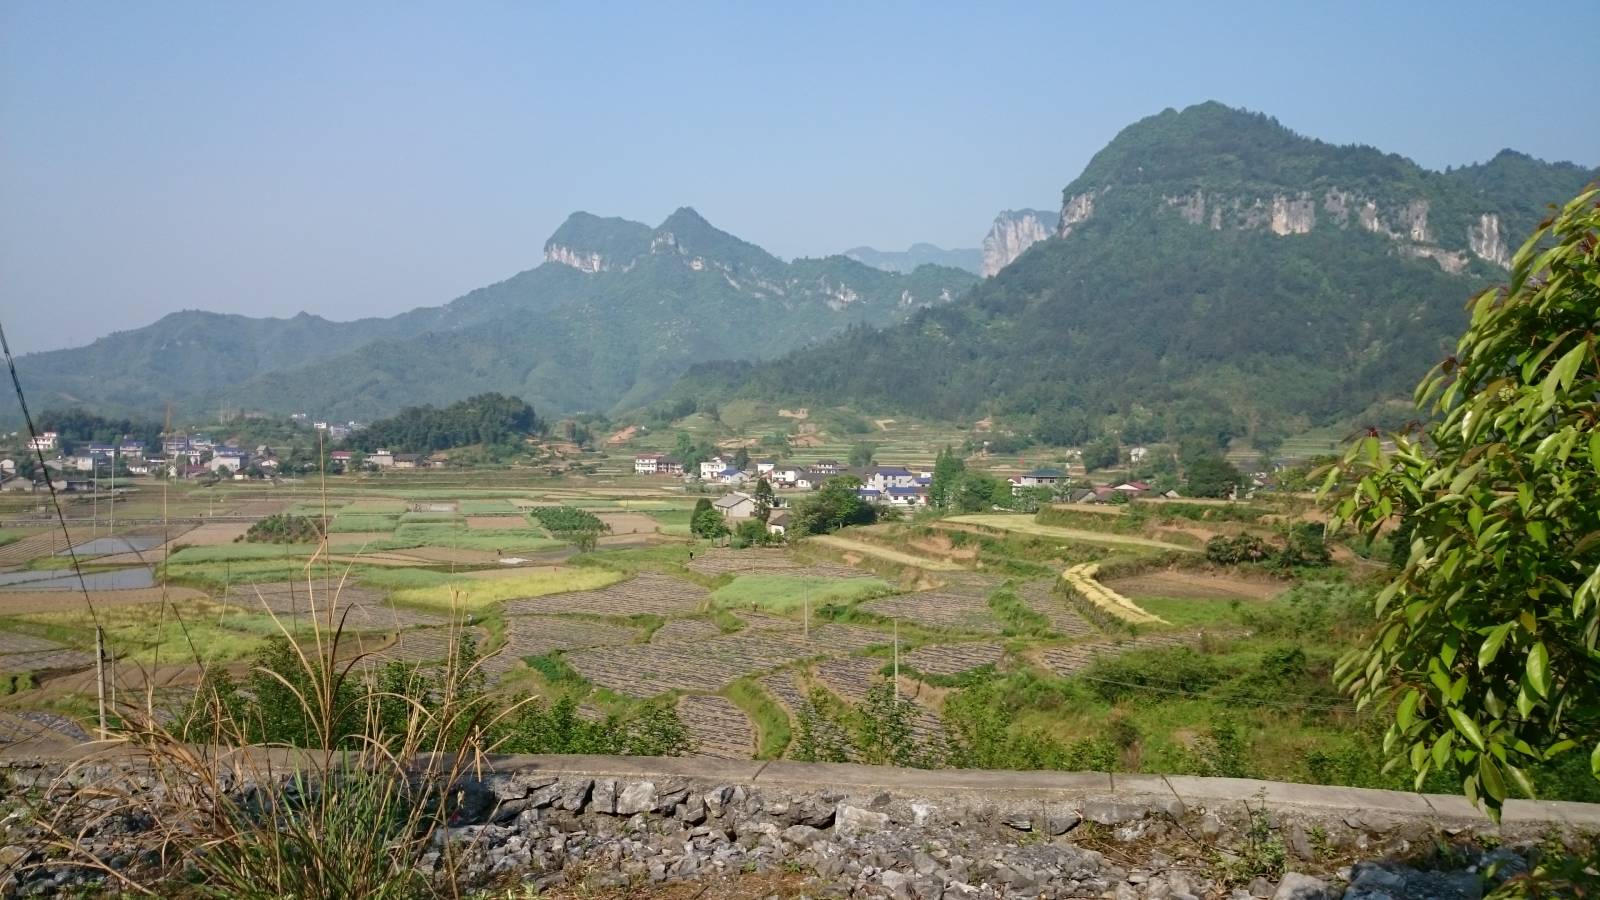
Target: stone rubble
(593, 833)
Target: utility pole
(100, 676)
(805, 615)
(897, 660)
(94, 497)
(113, 498)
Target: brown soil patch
(806, 440)
(623, 436)
(489, 523)
(448, 555)
(1195, 586)
(942, 546)
(356, 538)
(17, 603)
(629, 522)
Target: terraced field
(1024, 524)
(1039, 597)
(851, 678)
(23, 653)
(358, 608)
(766, 562)
(537, 635)
(650, 669)
(677, 630)
(938, 609)
(953, 659)
(648, 593)
(719, 728)
(1074, 658)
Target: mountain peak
(691, 235)
(591, 243)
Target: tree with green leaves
(1101, 453)
(741, 459)
(764, 498)
(1486, 637)
(1210, 476)
(705, 521)
(862, 454)
(835, 505)
(947, 470)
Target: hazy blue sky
(351, 159)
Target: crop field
(1074, 658)
(537, 635)
(651, 669)
(719, 728)
(953, 659)
(480, 593)
(648, 593)
(677, 630)
(1024, 524)
(789, 593)
(950, 610)
(1039, 596)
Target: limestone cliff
(1013, 232)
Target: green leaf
(1491, 644)
(1539, 669)
(1467, 728)
(1594, 451)
(1408, 708)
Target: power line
(38, 449)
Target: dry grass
(476, 594)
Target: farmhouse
(1132, 488)
(881, 478)
(230, 458)
(733, 476)
(1041, 476)
(381, 458)
(907, 496)
(765, 466)
(778, 523)
(46, 440)
(826, 467)
(407, 460)
(711, 468)
(341, 459)
(735, 506)
(647, 463)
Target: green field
(788, 593)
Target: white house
(1041, 477)
(765, 466)
(906, 496)
(735, 506)
(45, 441)
(381, 458)
(733, 477)
(711, 468)
(8, 466)
(647, 463)
(1138, 455)
(778, 523)
(230, 458)
(881, 478)
(786, 473)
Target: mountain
(906, 261)
(615, 312)
(1212, 274)
(1012, 233)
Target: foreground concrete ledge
(1190, 793)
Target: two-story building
(711, 468)
(881, 478)
(47, 440)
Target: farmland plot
(938, 609)
(743, 562)
(651, 669)
(850, 679)
(685, 630)
(360, 609)
(538, 635)
(953, 659)
(1065, 621)
(719, 728)
(21, 653)
(1074, 658)
(648, 593)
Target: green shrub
(284, 529)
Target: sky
(352, 159)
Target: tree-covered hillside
(488, 419)
(617, 311)
(1256, 310)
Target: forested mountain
(616, 311)
(905, 261)
(1213, 274)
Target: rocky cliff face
(1406, 223)
(583, 261)
(1013, 232)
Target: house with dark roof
(735, 506)
(882, 478)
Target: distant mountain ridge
(1211, 274)
(922, 254)
(616, 311)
